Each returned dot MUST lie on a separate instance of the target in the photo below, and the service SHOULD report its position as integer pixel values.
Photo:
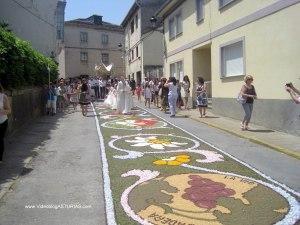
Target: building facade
(143, 48)
(36, 22)
(88, 42)
(224, 40)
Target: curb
(286, 151)
(9, 185)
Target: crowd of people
(162, 93)
(74, 92)
(118, 95)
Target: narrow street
(63, 182)
(149, 112)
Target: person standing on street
(248, 92)
(173, 95)
(179, 99)
(96, 88)
(85, 99)
(147, 95)
(132, 85)
(185, 93)
(164, 92)
(201, 97)
(5, 110)
(138, 92)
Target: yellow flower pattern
(173, 161)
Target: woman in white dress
(111, 100)
(128, 99)
(121, 95)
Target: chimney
(97, 19)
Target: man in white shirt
(96, 88)
(102, 84)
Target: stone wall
(26, 105)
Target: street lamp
(156, 25)
(123, 55)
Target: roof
(95, 22)
(168, 7)
(130, 13)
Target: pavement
(276, 140)
(53, 162)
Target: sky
(113, 11)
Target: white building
(144, 49)
(88, 42)
(39, 22)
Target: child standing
(147, 95)
(138, 92)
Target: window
(83, 37)
(104, 39)
(137, 51)
(223, 3)
(176, 70)
(136, 22)
(200, 10)
(59, 35)
(132, 55)
(232, 59)
(83, 56)
(175, 25)
(132, 26)
(178, 24)
(105, 58)
(171, 28)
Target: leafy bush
(21, 65)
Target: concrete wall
(153, 49)
(62, 63)
(41, 34)
(75, 67)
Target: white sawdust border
(109, 204)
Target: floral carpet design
(156, 173)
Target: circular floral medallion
(205, 198)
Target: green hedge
(21, 65)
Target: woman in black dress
(84, 99)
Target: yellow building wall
(213, 18)
(272, 46)
(272, 51)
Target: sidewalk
(279, 141)
(55, 161)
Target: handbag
(240, 99)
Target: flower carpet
(157, 173)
